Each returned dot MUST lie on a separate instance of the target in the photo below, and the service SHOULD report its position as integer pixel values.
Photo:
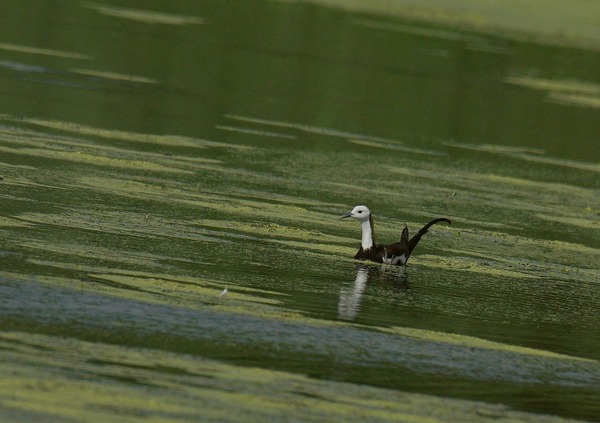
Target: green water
(152, 157)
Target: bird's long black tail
(417, 237)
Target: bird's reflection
(351, 296)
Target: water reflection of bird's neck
(351, 297)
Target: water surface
(153, 157)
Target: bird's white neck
(367, 233)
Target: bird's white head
(360, 213)
(363, 215)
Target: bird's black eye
(360, 211)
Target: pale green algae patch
(134, 137)
(38, 145)
(529, 155)
(120, 384)
(565, 23)
(159, 288)
(15, 223)
(144, 16)
(472, 342)
(573, 92)
(114, 76)
(309, 240)
(42, 51)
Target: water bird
(397, 253)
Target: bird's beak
(349, 214)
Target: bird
(395, 254)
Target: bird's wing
(399, 252)
(373, 254)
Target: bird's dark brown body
(397, 253)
